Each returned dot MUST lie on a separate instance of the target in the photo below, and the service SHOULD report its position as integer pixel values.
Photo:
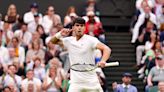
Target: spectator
(39, 70)
(156, 73)
(51, 52)
(161, 86)
(12, 15)
(6, 89)
(11, 78)
(51, 19)
(91, 14)
(19, 51)
(29, 16)
(126, 86)
(31, 79)
(36, 51)
(143, 18)
(7, 32)
(24, 35)
(91, 5)
(52, 83)
(42, 34)
(4, 55)
(71, 13)
(35, 37)
(140, 4)
(33, 25)
(160, 17)
(95, 29)
(143, 39)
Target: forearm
(149, 82)
(56, 38)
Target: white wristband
(58, 35)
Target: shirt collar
(125, 85)
(159, 67)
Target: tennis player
(81, 48)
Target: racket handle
(112, 64)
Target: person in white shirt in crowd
(30, 87)
(140, 4)
(147, 15)
(4, 54)
(51, 19)
(19, 51)
(24, 35)
(7, 32)
(158, 7)
(29, 16)
(31, 79)
(71, 12)
(33, 25)
(52, 82)
(12, 56)
(10, 77)
(39, 71)
(160, 17)
(91, 13)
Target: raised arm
(57, 37)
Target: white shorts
(85, 87)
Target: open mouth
(79, 31)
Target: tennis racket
(90, 67)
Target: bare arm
(45, 84)
(106, 51)
(149, 80)
(56, 38)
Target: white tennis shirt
(81, 51)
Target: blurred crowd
(147, 30)
(29, 62)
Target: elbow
(108, 49)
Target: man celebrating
(81, 49)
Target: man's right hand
(65, 32)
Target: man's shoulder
(133, 87)
(28, 13)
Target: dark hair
(16, 38)
(12, 65)
(7, 88)
(29, 70)
(79, 20)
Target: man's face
(12, 69)
(79, 29)
(30, 74)
(160, 61)
(126, 80)
(24, 28)
(14, 42)
(161, 86)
